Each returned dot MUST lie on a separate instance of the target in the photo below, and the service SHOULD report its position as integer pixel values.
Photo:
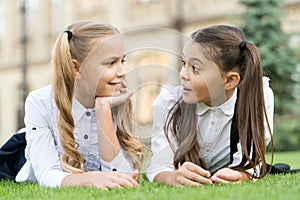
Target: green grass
(271, 187)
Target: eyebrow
(115, 57)
(194, 59)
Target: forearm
(75, 180)
(109, 145)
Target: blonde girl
(79, 129)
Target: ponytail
(251, 105)
(63, 89)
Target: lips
(186, 88)
(114, 83)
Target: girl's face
(111, 65)
(200, 77)
(102, 73)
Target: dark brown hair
(228, 48)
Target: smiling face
(102, 73)
(111, 64)
(200, 77)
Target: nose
(183, 74)
(121, 73)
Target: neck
(225, 96)
(84, 96)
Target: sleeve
(120, 163)
(269, 103)
(162, 154)
(41, 150)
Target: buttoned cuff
(121, 163)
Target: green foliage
(272, 187)
(287, 134)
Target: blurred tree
(261, 23)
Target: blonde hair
(77, 46)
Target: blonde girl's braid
(75, 43)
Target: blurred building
(154, 32)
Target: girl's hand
(227, 175)
(120, 96)
(103, 180)
(188, 174)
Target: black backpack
(12, 156)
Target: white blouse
(215, 126)
(43, 150)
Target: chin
(189, 100)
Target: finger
(216, 179)
(185, 181)
(111, 185)
(124, 84)
(225, 179)
(135, 174)
(191, 175)
(128, 179)
(229, 175)
(197, 169)
(122, 182)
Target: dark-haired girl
(214, 128)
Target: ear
(76, 66)
(231, 80)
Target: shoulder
(266, 87)
(41, 93)
(168, 95)
(40, 96)
(268, 92)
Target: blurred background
(28, 29)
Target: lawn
(272, 187)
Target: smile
(115, 84)
(186, 90)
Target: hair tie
(70, 35)
(242, 45)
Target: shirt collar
(227, 108)
(78, 110)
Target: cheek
(100, 88)
(199, 85)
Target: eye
(195, 68)
(109, 63)
(123, 61)
(183, 63)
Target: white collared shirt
(214, 124)
(43, 150)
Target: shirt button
(212, 123)
(88, 114)
(86, 137)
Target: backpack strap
(234, 133)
